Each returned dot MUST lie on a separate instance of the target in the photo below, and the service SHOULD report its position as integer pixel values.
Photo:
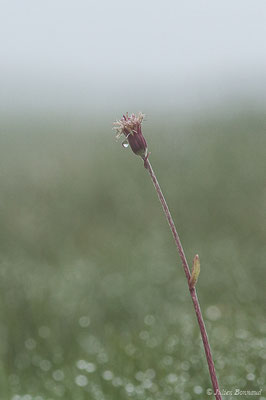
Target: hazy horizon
(94, 56)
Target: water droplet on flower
(125, 144)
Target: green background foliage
(94, 301)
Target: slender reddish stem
(192, 290)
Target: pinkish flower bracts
(130, 126)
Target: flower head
(130, 126)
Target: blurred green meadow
(94, 301)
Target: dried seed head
(130, 126)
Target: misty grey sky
(109, 49)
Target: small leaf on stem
(195, 272)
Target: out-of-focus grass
(94, 301)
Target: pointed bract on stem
(130, 126)
(195, 272)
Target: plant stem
(192, 290)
